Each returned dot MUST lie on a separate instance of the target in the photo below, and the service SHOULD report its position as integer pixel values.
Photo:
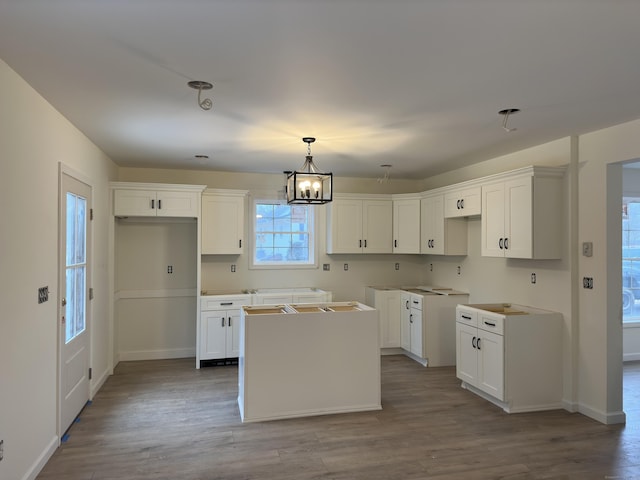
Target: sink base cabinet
(514, 361)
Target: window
(631, 259)
(283, 235)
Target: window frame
(313, 237)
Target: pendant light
(308, 185)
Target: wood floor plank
(156, 420)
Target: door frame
(80, 177)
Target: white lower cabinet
(273, 296)
(510, 355)
(411, 324)
(219, 331)
(427, 320)
(387, 302)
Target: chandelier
(308, 185)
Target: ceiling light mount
(199, 85)
(506, 112)
(308, 185)
(387, 174)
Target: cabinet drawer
(467, 317)
(491, 323)
(415, 301)
(218, 303)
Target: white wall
(34, 138)
(600, 339)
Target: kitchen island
(308, 359)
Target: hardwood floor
(166, 420)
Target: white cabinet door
(405, 321)
(377, 226)
(222, 224)
(490, 348)
(406, 226)
(415, 321)
(213, 335)
(177, 204)
(518, 221)
(492, 223)
(233, 334)
(134, 203)
(344, 226)
(432, 225)
(359, 226)
(151, 203)
(522, 217)
(466, 353)
(462, 203)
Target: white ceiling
(416, 84)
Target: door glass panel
(76, 266)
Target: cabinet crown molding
(155, 186)
(226, 192)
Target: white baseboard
(631, 357)
(608, 418)
(156, 354)
(97, 384)
(42, 460)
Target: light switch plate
(587, 249)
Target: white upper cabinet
(522, 215)
(223, 213)
(464, 202)
(406, 225)
(359, 225)
(439, 235)
(156, 200)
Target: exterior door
(75, 205)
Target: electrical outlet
(346, 267)
(1, 450)
(431, 267)
(397, 266)
(170, 269)
(587, 282)
(533, 278)
(459, 269)
(326, 267)
(43, 294)
(233, 268)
